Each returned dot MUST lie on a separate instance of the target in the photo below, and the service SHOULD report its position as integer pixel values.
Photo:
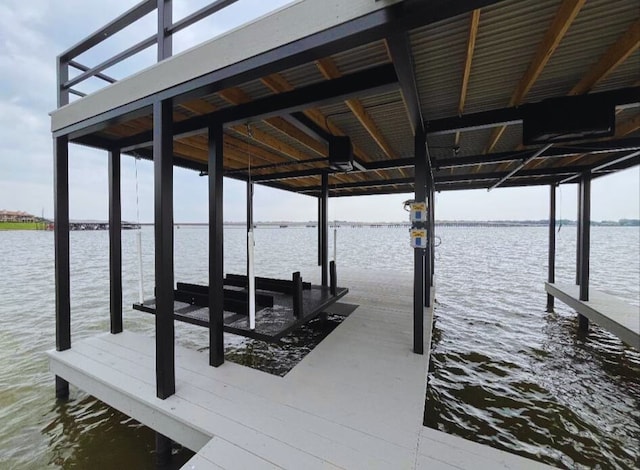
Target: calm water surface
(504, 372)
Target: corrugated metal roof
(439, 53)
(598, 25)
(508, 36)
(362, 57)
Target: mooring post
(420, 148)
(552, 243)
(163, 195)
(115, 242)
(163, 451)
(585, 242)
(61, 244)
(216, 246)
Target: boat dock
(611, 313)
(356, 401)
(362, 98)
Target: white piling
(140, 271)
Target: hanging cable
(560, 194)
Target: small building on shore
(17, 216)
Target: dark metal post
(432, 230)
(115, 242)
(579, 233)
(297, 295)
(163, 450)
(585, 223)
(216, 247)
(165, 20)
(63, 77)
(552, 243)
(333, 278)
(324, 223)
(61, 235)
(427, 252)
(418, 265)
(320, 257)
(163, 189)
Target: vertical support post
(333, 281)
(324, 224)
(165, 20)
(585, 195)
(63, 77)
(115, 242)
(216, 246)
(432, 230)
(579, 233)
(163, 196)
(163, 451)
(420, 149)
(428, 267)
(297, 295)
(61, 236)
(320, 230)
(552, 244)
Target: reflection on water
(504, 372)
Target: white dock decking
(611, 313)
(356, 401)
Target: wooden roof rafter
(330, 71)
(615, 55)
(278, 84)
(466, 74)
(563, 19)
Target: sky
(34, 32)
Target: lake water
(504, 372)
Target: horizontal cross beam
(371, 81)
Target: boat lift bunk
(281, 305)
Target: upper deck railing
(166, 28)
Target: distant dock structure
(362, 98)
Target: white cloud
(34, 32)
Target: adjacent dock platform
(356, 401)
(611, 313)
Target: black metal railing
(163, 39)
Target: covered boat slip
(355, 401)
(332, 99)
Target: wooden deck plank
(262, 415)
(356, 401)
(611, 313)
(457, 452)
(219, 453)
